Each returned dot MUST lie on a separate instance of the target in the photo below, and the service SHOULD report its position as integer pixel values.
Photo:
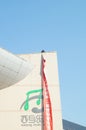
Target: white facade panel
(13, 115)
(12, 69)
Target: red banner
(48, 120)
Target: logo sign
(36, 118)
(26, 104)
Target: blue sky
(28, 26)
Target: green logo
(26, 104)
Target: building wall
(14, 99)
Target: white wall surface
(12, 68)
(12, 99)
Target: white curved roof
(12, 69)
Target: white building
(21, 100)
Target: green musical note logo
(38, 102)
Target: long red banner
(48, 120)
